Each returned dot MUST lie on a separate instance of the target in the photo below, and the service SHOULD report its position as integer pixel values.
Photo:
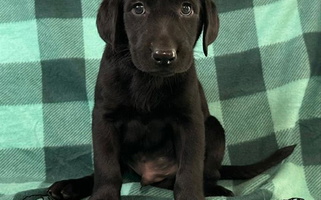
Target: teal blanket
(262, 80)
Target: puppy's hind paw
(74, 189)
(219, 191)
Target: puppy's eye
(138, 9)
(186, 9)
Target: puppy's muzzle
(164, 57)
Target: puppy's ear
(110, 22)
(210, 24)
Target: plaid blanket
(262, 79)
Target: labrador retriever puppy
(150, 114)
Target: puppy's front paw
(104, 197)
(106, 192)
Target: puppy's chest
(152, 94)
(148, 148)
(145, 100)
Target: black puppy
(150, 111)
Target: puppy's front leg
(190, 147)
(107, 174)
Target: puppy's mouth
(162, 73)
(156, 70)
(151, 67)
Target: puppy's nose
(164, 57)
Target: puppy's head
(160, 34)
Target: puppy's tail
(250, 171)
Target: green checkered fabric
(262, 79)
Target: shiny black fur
(148, 100)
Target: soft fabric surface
(262, 80)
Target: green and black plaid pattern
(50, 53)
(262, 80)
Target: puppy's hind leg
(215, 148)
(73, 189)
